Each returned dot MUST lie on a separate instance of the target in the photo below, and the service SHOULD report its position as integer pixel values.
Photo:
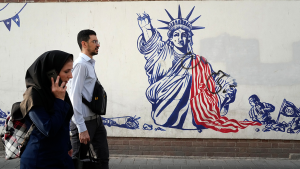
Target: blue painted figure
(147, 126)
(3, 116)
(184, 91)
(159, 128)
(123, 122)
(288, 109)
(295, 126)
(260, 111)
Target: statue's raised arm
(144, 22)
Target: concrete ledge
(294, 156)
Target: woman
(47, 105)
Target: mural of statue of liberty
(184, 91)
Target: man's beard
(92, 52)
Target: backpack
(99, 100)
(14, 134)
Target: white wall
(257, 43)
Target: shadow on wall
(251, 71)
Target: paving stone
(202, 167)
(206, 162)
(259, 162)
(193, 162)
(271, 167)
(286, 162)
(243, 167)
(132, 167)
(119, 167)
(140, 161)
(115, 160)
(296, 162)
(259, 166)
(167, 161)
(246, 162)
(188, 167)
(274, 163)
(215, 167)
(2, 163)
(174, 167)
(219, 163)
(153, 161)
(127, 161)
(232, 162)
(160, 167)
(179, 161)
(289, 167)
(146, 167)
(11, 164)
(229, 167)
(2, 160)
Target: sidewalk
(185, 163)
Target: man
(86, 127)
(182, 85)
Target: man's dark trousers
(98, 137)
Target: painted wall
(248, 48)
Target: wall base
(204, 148)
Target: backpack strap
(24, 143)
(86, 102)
(26, 139)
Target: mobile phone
(52, 73)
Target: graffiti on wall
(127, 122)
(288, 109)
(15, 18)
(261, 112)
(184, 90)
(3, 116)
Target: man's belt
(90, 118)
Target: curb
(292, 156)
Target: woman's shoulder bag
(15, 134)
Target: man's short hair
(254, 98)
(84, 35)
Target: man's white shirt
(82, 84)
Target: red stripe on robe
(204, 104)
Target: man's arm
(77, 83)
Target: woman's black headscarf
(38, 85)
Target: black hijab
(38, 85)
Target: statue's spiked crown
(181, 22)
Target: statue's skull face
(180, 38)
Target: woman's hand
(58, 91)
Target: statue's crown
(181, 22)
